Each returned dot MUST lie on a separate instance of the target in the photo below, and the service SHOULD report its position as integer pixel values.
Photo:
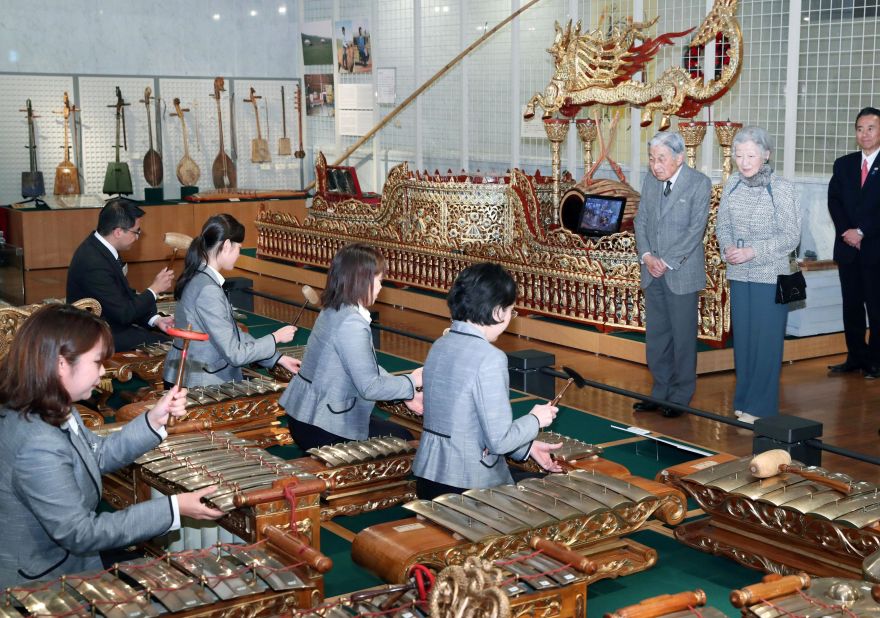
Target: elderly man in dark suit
(670, 226)
(854, 204)
(96, 271)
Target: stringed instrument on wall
(32, 184)
(118, 176)
(153, 171)
(66, 174)
(300, 153)
(284, 141)
(223, 169)
(259, 146)
(188, 171)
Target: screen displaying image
(601, 215)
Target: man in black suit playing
(97, 272)
(854, 203)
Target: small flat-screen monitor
(601, 215)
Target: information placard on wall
(387, 86)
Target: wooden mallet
(177, 242)
(187, 335)
(311, 297)
(573, 376)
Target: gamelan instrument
(249, 407)
(300, 153)
(188, 171)
(32, 184)
(803, 518)
(283, 141)
(66, 174)
(361, 475)
(259, 146)
(223, 169)
(117, 179)
(152, 160)
(799, 595)
(243, 473)
(265, 579)
(587, 511)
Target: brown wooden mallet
(187, 335)
(573, 376)
(177, 242)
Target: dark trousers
(758, 340)
(309, 436)
(671, 342)
(860, 289)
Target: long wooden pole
(428, 84)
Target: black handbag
(790, 288)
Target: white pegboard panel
(202, 129)
(46, 93)
(99, 129)
(280, 172)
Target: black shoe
(670, 413)
(872, 373)
(844, 367)
(644, 406)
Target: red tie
(864, 171)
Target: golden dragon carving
(598, 67)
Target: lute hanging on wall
(66, 174)
(300, 153)
(223, 169)
(152, 160)
(284, 141)
(118, 176)
(188, 171)
(32, 184)
(259, 146)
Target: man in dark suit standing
(854, 204)
(96, 271)
(670, 226)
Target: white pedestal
(822, 312)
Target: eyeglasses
(135, 232)
(513, 313)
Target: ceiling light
(253, 12)
(282, 10)
(216, 16)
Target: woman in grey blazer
(331, 399)
(51, 464)
(758, 227)
(468, 422)
(202, 305)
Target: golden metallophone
(585, 510)
(363, 475)
(264, 579)
(524, 584)
(803, 519)
(187, 462)
(776, 596)
(249, 408)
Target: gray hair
(673, 141)
(757, 136)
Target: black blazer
(95, 273)
(853, 206)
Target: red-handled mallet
(187, 335)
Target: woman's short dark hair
(216, 230)
(478, 290)
(29, 380)
(351, 275)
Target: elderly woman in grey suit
(758, 227)
(51, 464)
(202, 305)
(331, 399)
(468, 422)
